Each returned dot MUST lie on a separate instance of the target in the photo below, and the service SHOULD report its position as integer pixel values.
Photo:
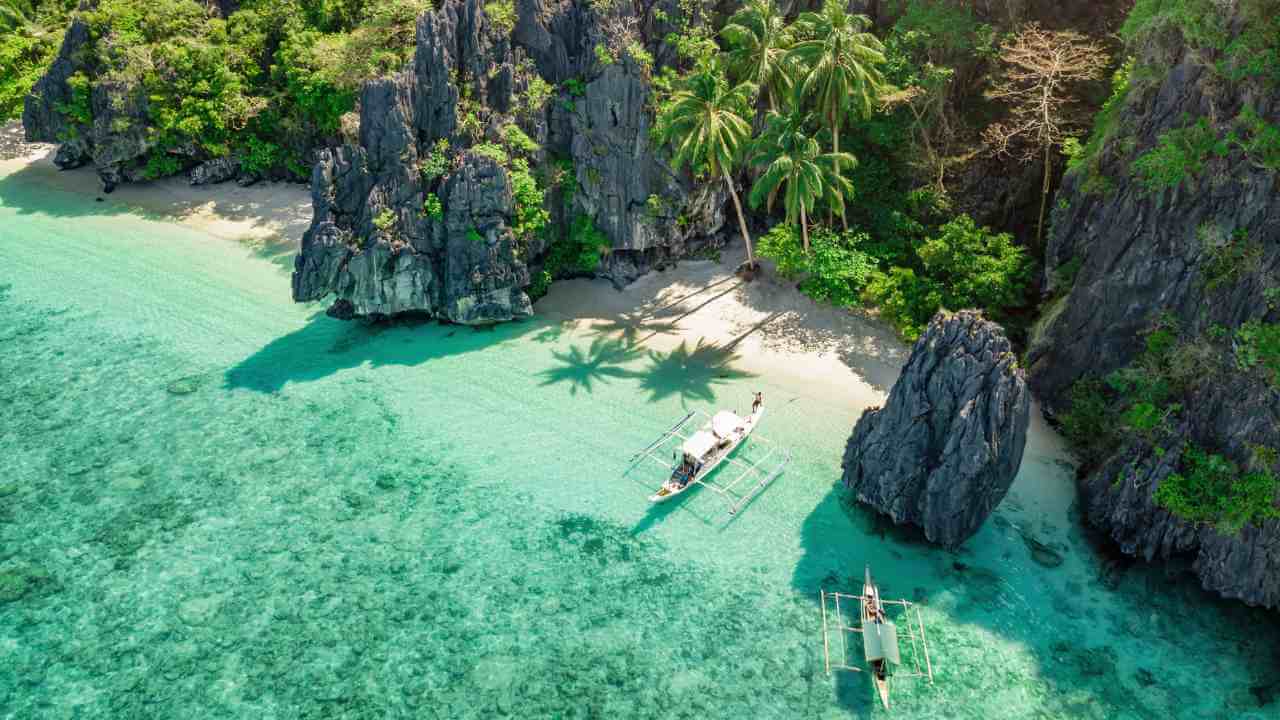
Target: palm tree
(705, 124)
(758, 38)
(841, 58)
(794, 164)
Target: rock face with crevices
(374, 246)
(943, 451)
(1124, 257)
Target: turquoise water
(215, 503)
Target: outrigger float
(701, 452)
(880, 634)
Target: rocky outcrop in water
(1199, 256)
(374, 245)
(943, 451)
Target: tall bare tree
(1042, 72)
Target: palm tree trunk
(742, 221)
(804, 229)
(835, 146)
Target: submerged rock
(945, 448)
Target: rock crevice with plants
(1159, 349)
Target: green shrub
(436, 163)
(1260, 140)
(604, 55)
(517, 141)
(1086, 157)
(432, 207)
(384, 220)
(1179, 155)
(1228, 261)
(641, 56)
(535, 95)
(1209, 488)
(1258, 345)
(586, 244)
(259, 157)
(834, 271)
(502, 14)
(1089, 426)
(532, 216)
(493, 152)
(160, 164)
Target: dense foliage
(265, 84)
(30, 33)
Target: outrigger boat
(706, 449)
(703, 451)
(880, 647)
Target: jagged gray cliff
(943, 451)
(1200, 256)
(467, 87)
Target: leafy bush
(491, 151)
(964, 266)
(1209, 488)
(29, 37)
(384, 220)
(1179, 155)
(259, 156)
(1260, 141)
(604, 55)
(517, 141)
(436, 163)
(267, 82)
(1228, 260)
(834, 271)
(502, 13)
(432, 207)
(532, 216)
(1258, 345)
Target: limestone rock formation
(943, 451)
(1199, 256)
(113, 137)
(374, 246)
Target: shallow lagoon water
(215, 503)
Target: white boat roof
(725, 422)
(699, 443)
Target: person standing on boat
(755, 404)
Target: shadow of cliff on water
(325, 346)
(1103, 642)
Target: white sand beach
(846, 357)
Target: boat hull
(670, 490)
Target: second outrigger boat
(879, 638)
(881, 650)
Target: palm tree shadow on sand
(634, 327)
(602, 361)
(691, 373)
